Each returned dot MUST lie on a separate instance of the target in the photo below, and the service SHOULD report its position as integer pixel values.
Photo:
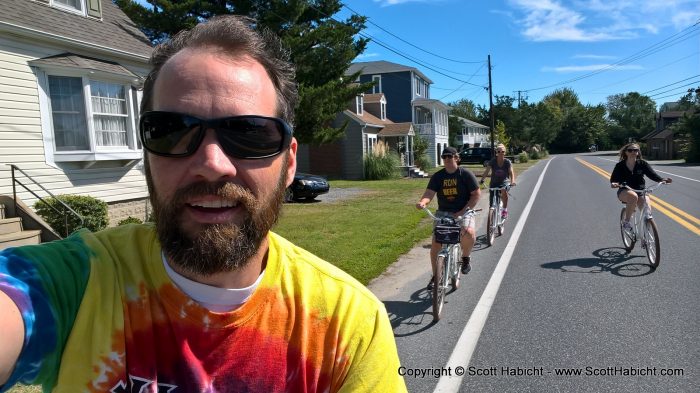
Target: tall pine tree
(322, 48)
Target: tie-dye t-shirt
(101, 315)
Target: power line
(460, 86)
(404, 41)
(396, 51)
(683, 35)
(676, 88)
(671, 84)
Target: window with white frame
(418, 85)
(360, 103)
(383, 106)
(88, 119)
(377, 88)
(371, 142)
(77, 6)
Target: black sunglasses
(172, 134)
(632, 150)
(448, 156)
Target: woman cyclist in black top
(630, 170)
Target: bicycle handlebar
(646, 190)
(468, 213)
(507, 187)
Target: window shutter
(94, 8)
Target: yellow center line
(666, 208)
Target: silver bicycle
(496, 222)
(448, 270)
(643, 226)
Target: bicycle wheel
(501, 221)
(627, 239)
(651, 236)
(491, 226)
(439, 288)
(455, 266)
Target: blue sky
(609, 46)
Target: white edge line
(462, 353)
(668, 173)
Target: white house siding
(21, 139)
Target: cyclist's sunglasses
(172, 134)
(448, 156)
(632, 150)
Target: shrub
(420, 153)
(535, 154)
(130, 220)
(522, 157)
(93, 210)
(381, 164)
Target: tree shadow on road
(614, 260)
(413, 316)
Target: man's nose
(210, 161)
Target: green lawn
(362, 235)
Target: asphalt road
(569, 299)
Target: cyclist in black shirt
(630, 170)
(457, 190)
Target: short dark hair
(235, 35)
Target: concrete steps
(416, 172)
(12, 234)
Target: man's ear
(291, 161)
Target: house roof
(470, 123)
(397, 129)
(114, 32)
(663, 134)
(382, 67)
(71, 60)
(373, 98)
(430, 103)
(387, 127)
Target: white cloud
(601, 20)
(598, 57)
(591, 67)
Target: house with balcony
(472, 134)
(407, 92)
(69, 97)
(366, 123)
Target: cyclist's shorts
(619, 190)
(470, 222)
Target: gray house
(407, 91)
(367, 124)
(70, 76)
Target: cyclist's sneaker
(466, 267)
(504, 214)
(431, 283)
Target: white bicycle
(496, 222)
(447, 232)
(643, 226)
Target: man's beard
(215, 248)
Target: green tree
(464, 108)
(500, 134)
(630, 115)
(582, 126)
(322, 48)
(540, 123)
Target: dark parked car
(306, 186)
(475, 155)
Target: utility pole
(491, 108)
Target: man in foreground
(210, 300)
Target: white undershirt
(213, 298)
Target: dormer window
(83, 7)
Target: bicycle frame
(495, 220)
(447, 263)
(644, 224)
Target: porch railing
(66, 209)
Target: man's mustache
(225, 190)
